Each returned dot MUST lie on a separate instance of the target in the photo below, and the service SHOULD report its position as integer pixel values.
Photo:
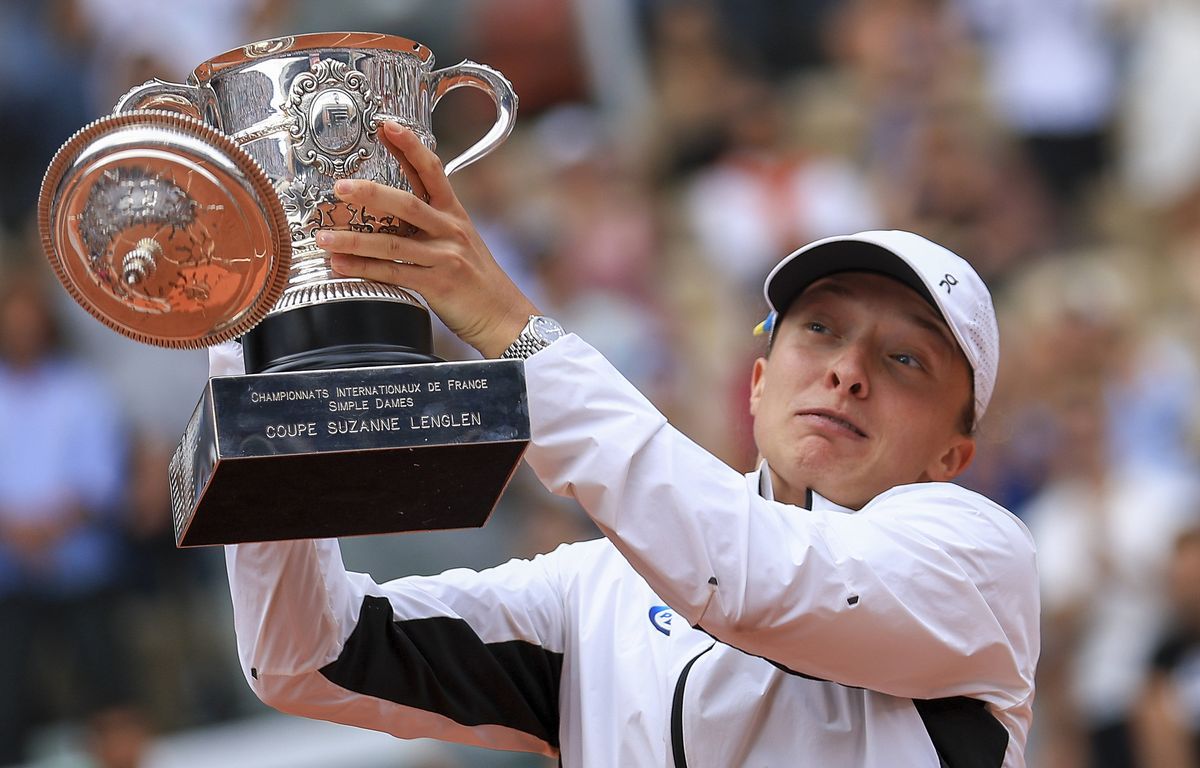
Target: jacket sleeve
(929, 591)
(472, 657)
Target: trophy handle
(494, 84)
(160, 94)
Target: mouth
(834, 419)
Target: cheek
(770, 427)
(920, 428)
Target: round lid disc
(164, 229)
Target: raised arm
(469, 657)
(465, 656)
(929, 591)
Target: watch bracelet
(521, 348)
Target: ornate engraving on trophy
(302, 204)
(135, 222)
(333, 118)
(308, 209)
(124, 198)
(364, 221)
(132, 222)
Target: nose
(848, 371)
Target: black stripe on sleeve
(963, 732)
(440, 665)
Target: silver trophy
(188, 217)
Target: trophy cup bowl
(188, 218)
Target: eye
(907, 360)
(816, 326)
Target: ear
(954, 461)
(758, 376)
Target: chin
(819, 463)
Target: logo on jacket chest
(660, 618)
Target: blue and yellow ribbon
(766, 326)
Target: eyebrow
(825, 286)
(936, 327)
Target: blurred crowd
(667, 153)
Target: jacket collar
(812, 500)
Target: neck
(784, 492)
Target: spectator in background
(61, 458)
(1103, 530)
(767, 192)
(938, 163)
(1094, 318)
(535, 44)
(1051, 68)
(692, 71)
(901, 60)
(117, 738)
(41, 79)
(968, 184)
(781, 36)
(167, 606)
(131, 41)
(600, 260)
(1168, 713)
(1159, 160)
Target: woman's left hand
(445, 260)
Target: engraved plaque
(348, 452)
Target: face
(864, 390)
(24, 328)
(1184, 578)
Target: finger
(375, 245)
(404, 143)
(381, 198)
(393, 273)
(410, 174)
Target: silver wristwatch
(539, 333)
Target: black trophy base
(352, 494)
(348, 452)
(353, 333)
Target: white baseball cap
(941, 277)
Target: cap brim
(808, 265)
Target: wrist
(538, 333)
(490, 338)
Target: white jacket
(821, 636)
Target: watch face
(546, 329)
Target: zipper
(677, 711)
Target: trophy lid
(291, 44)
(164, 229)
